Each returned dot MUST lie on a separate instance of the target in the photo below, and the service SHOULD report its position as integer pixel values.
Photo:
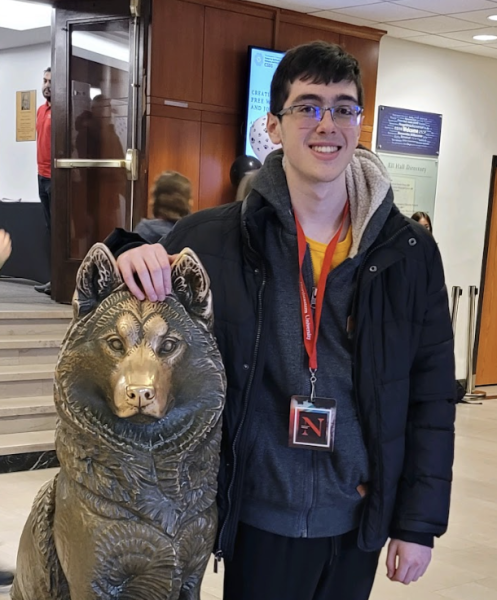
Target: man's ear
(98, 276)
(273, 127)
(191, 285)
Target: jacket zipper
(377, 408)
(218, 555)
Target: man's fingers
(391, 559)
(129, 278)
(152, 266)
(411, 575)
(423, 569)
(166, 272)
(158, 263)
(401, 571)
(409, 561)
(157, 278)
(143, 274)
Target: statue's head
(129, 365)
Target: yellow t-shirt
(318, 251)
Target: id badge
(312, 424)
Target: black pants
(271, 567)
(45, 193)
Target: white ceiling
(11, 38)
(444, 23)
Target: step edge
(44, 315)
(15, 343)
(7, 412)
(10, 445)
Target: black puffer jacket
(403, 364)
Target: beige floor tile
(205, 596)
(489, 582)
(468, 591)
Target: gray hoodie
(296, 492)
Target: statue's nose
(140, 395)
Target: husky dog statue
(139, 391)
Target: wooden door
(486, 341)
(97, 71)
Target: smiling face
(321, 153)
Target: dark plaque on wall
(408, 131)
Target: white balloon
(259, 139)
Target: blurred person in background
(44, 157)
(245, 185)
(172, 199)
(423, 219)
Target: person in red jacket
(44, 156)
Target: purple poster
(408, 131)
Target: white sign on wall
(414, 182)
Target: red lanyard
(310, 323)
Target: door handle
(130, 163)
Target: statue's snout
(140, 395)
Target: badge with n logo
(312, 424)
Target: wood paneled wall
(198, 62)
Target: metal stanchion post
(456, 294)
(471, 394)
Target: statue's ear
(191, 285)
(98, 276)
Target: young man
(371, 403)
(43, 155)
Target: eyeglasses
(309, 115)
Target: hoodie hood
(368, 186)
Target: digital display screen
(262, 65)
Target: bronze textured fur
(139, 390)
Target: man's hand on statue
(5, 247)
(407, 562)
(151, 265)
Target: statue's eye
(116, 344)
(168, 346)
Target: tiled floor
(465, 560)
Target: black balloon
(241, 166)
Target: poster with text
(414, 182)
(263, 64)
(26, 116)
(408, 131)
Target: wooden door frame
(65, 267)
(481, 289)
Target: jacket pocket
(274, 472)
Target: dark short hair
(48, 70)
(316, 62)
(171, 196)
(417, 216)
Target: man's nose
(327, 123)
